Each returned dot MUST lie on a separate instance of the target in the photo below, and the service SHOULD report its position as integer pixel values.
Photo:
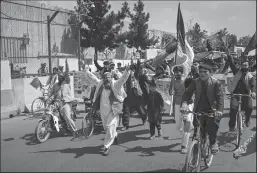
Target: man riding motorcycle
(62, 99)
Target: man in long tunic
(109, 97)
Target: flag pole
(173, 78)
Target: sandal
(214, 149)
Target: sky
(239, 17)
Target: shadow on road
(78, 151)
(129, 136)
(30, 139)
(8, 139)
(165, 170)
(169, 121)
(150, 151)
(253, 129)
(226, 141)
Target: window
(14, 49)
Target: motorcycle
(52, 120)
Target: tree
(101, 27)
(166, 38)
(138, 36)
(55, 48)
(107, 53)
(196, 37)
(243, 41)
(232, 41)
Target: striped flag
(185, 59)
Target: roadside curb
(6, 117)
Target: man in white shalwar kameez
(108, 97)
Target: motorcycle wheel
(42, 131)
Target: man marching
(108, 98)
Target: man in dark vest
(243, 83)
(209, 98)
(134, 99)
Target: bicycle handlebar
(201, 113)
(240, 95)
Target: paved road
(21, 152)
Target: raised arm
(97, 64)
(121, 81)
(189, 92)
(150, 67)
(253, 84)
(137, 68)
(92, 78)
(232, 65)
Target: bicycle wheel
(88, 125)
(239, 128)
(208, 156)
(37, 106)
(192, 163)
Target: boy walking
(155, 105)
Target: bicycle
(239, 118)
(201, 144)
(40, 103)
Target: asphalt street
(135, 153)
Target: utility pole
(79, 58)
(49, 20)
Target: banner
(163, 86)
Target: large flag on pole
(251, 45)
(181, 30)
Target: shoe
(160, 133)
(106, 151)
(116, 140)
(183, 150)
(75, 135)
(232, 129)
(144, 122)
(124, 128)
(152, 137)
(214, 149)
(247, 123)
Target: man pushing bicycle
(209, 98)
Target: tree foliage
(138, 36)
(166, 38)
(196, 37)
(100, 27)
(243, 41)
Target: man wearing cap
(62, 98)
(243, 82)
(108, 98)
(103, 69)
(209, 98)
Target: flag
(251, 45)
(185, 59)
(181, 29)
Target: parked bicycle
(200, 147)
(40, 104)
(240, 117)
